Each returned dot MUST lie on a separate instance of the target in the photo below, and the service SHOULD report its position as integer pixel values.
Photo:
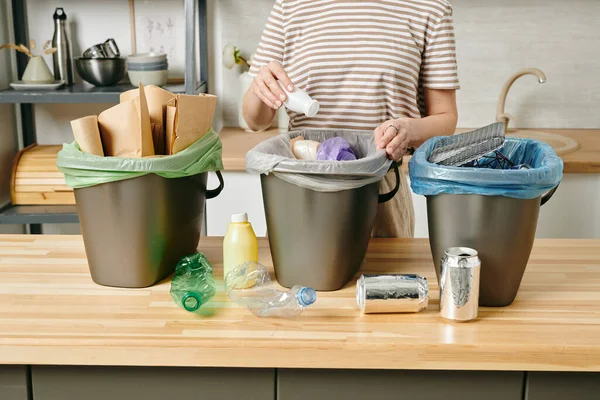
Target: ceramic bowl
(145, 58)
(148, 67)
(157, 78)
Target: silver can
(459, 284)
(385, 293)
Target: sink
(561, 144)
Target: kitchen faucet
(500, 115)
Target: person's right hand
(266, 88)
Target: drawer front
(563, 385)
(398, 385)
(13, 382)
(128, 383)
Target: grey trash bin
(319, 239)
(136, 230)
(502, 229)
(320, 214)
(493, 209)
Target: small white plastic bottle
(300, 102)
(240, 244)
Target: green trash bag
(84, 170)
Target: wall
(8, 127)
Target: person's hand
(394, 137)
(266, 88)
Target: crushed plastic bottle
(249, 284)
(193, 284)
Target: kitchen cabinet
(127, 383)
(293, 384)
(571, 213)
(242, 193)
(562, 385)
(13, 382)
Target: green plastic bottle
(193, 284)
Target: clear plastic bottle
(240, 244)
(300, 102)
(249, 284)
(193, 284)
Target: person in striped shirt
(386, 66)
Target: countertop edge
(413, 357)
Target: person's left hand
(394, 137)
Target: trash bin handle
(384, 198)
(549, 195)
(211, 194)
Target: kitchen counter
(52, 313)
(586, 159)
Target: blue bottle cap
(306, 296)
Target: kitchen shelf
(19, 215)
(79, 93)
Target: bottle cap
(243, 217)
(306, 296)
(59, 13)
(312, 108)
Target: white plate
(20, 85)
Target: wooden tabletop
(237, 142)
(586, 159)
(52, 313)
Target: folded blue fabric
(335, 149)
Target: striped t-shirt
(364, 61)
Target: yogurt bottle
(299, 101)
(240, 244)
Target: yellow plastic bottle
(240, 244)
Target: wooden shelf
(19, 215)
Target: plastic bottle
(306, 149)
(193, 284)
(240, 244)
(300, 102)
(249, 284)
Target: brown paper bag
(156, 97)
(126, 130)
(193, 119)
(87, 135)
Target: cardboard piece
(170, 113)
(156, 97)
(158, 137)
(126, 130)
(193, 119)
(87, 135)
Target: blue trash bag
(545, 174)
